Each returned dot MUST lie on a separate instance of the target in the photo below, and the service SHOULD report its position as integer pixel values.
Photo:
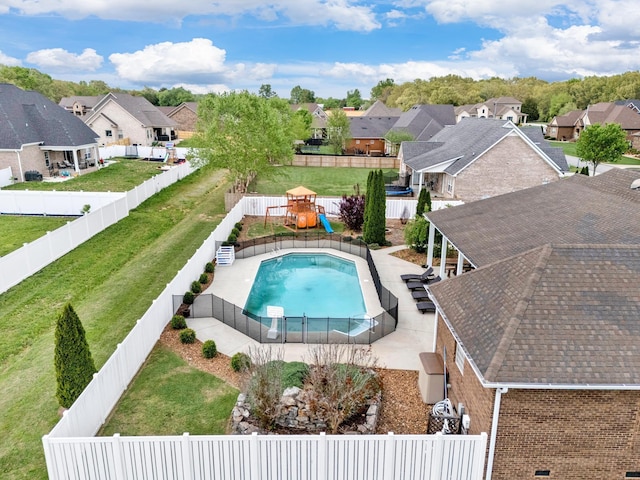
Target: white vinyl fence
(156, 153)
(6, 177)
(71, 451)
(268, 457)
(106, 209)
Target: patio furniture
(426, 275)
(420, 295)
(425, 307)
(419, 285)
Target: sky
(327, 46)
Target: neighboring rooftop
(576, 210)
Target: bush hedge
(209, 349)
(294, 374)
(188, 335)
(195, 287)
(240, 362)
(188, 298)
(178, 322)
(209, 267)
(204, 278)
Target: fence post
(390, 457)
(117, 457)
(186, 457)
(48, 458)
(322, 456)
(254, 455)
(478, 457)
(437, 457)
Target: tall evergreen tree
(422, 202)
(373, 231)
(73, 362)
(427, 207)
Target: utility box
(431, 378)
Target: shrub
(188, 335)
(235, 232)
(294, 374)
(238, 225)
(232, 238)
(178, 322)
(209, 349)
(265, 386)
(204, 278)
(416, 234)
(240, 362)
(352, 211)
(188, 298)
(195, 287)
(209, 267)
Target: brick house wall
(509, 166)
(129, 125)
(30, 158)
(575, 434)
(186, 119)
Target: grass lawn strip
(18, 230)
(111, 281)
(120, 176)
(169, 397)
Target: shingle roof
(143, 110)
(379, 109)
(569, 119)
(29, 117)
(424, 121)
(556, 314)
(576, 210)
(370, 127)
(471, 137)
(87, 101)
(605, 113)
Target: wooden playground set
(301, 211)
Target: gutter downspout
(494, 430)
(20, 166)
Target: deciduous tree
(338, 131)
(602, 143)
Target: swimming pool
(311, 285)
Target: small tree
(602, 143)
(339, 131)
(72, 358)
(373, 229)
(416, 234)
(352, 211)
(422, 202)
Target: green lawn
(569, 148)
(324, 181)
(111, 280)
(169, 397)
(18, 230)
(120, 176)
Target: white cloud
(195, 62)
(9, 61)
(203, 89)
(344, 14)
(58, 60)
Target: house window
(459, 357)
(108, 133)
(542, 473)
(449, 186)
(87, 153)
(47, 160)
(372, 142)
(120, 134)
(632, 475)
(357, 142)
(510, 118)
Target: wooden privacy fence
(268, 457)
(356, 161)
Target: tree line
(541, 100)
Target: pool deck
(398, 350)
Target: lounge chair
(419, 285)
(420, 295)
(410, 277)
(425, 307)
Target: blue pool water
(312, 285)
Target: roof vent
(635, 185)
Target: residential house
(36, 135)
(318, 121)
(605, 113)
(80, 106)
(479, 158)
(422, 122)
(542, 339)
(129, 119)
(504, 108)
(186, 117)
(566, 127)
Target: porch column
(76, 167)
(420, 182)
(443, 258)
(96, 152)
(432, 236)
(460, 263)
